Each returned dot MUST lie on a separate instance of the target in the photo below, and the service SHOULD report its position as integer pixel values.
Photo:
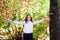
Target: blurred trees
(17, 10)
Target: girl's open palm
(9, 20)
(48, 19)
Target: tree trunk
(54, 23)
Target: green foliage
(17, 10)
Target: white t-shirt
(28, 27)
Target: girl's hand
(48, 19)
(9, 20)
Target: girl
(28, 26)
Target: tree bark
(54, 23)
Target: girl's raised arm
(16, 22)
(39, 21)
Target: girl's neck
(28, 21)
